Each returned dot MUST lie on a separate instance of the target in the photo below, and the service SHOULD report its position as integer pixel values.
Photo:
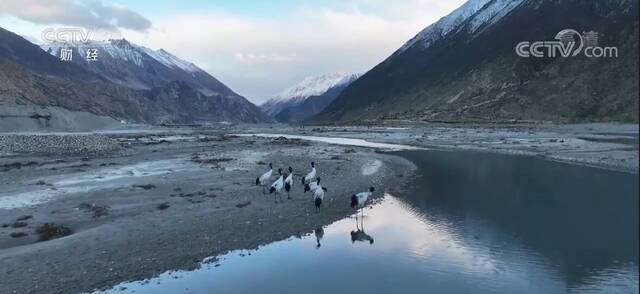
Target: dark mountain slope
(31, 76)
(139, 67)
(184, 104)
(310, 106)
(475, 75)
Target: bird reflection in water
(319, 232)
(359, 234)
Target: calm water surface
(472, 223)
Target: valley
(138, 203)
(319, 147)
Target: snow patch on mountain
(310, 86)
(170, 60)
(123, 50)
(494, 12)
(476, 12)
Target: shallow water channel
(471, 223)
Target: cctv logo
(568, 43)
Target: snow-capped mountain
(168, 89)
(464, 68)
(473, 11)
(309, 87)
(138, 67)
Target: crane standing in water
(360, 200)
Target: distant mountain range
(308, 97)
(464, 68)
(139, 67)
(126, 82)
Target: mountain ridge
(138, 67)
(31, 76)
(320, 89)
(465, 77)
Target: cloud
(88, 14)
(252, 59)
(260, 54)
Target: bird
(277, 186)
(318, 195)
(309, 177)
(263, 180)
(312, 187)
(359, 200)
(288, 182)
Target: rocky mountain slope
(31, 76)
(464, 68)
(139, 67)
(307, 98)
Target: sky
(257, 48)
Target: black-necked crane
(288, 182)
(360, 200)
(306, 180)
(277, 186)
(263, 180)
(318, 194)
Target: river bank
(165, 202)
(80, 219)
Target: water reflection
(319, 232)
(583, 221)
(502, 225)
(359, 234)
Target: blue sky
(258, 48)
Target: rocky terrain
(128, 205)
(56, 144)
(29, 76)
(138, 67)
(464, 68)
(78, 219)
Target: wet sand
(166, 203)
(167, 200)
(602, 145)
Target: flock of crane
(311, 184)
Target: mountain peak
(119, 42)
(124, 82)
(315, 85)
(308, 88)
(125, 50)
(464, 68)
(171, 60)
(478, 12)
(138, 67)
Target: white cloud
(259, 56)
(88, 14)
(253, 59)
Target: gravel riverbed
(80, 212)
